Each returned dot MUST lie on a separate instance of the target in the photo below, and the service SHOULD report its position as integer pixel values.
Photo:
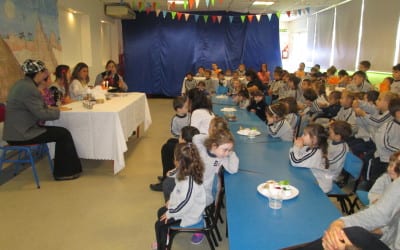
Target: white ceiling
(243, 6)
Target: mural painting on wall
(28, 29)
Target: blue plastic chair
(25, 154)
(362, 197)
(353, 166)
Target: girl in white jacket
(188, 199)
(311, 151)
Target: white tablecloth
(101, 133)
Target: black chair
(209, 222)
(353, 166)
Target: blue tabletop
(251, 223)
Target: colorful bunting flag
(230, 19)
(148, 11)
(196, 18)
(258, 17)
(207, 3)
(173, 14)
(185, 3)
(197, 3)
(191, 3)
(179, 14)
(214, 19)
(243, 17)
(148, 5)
(250, 18)
(299, 11)
(288, 13)
(219, 19)
(133, 4)
(269, 15)
(158, 12)
(205, 17)
(308, 10)
(212, 2)
(278, 14)
(164, 13)
(154, 5)
(187, 16)
(221, 1)
(140, 6)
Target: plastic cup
(275, 202)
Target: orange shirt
(300, 74)
(384, 86)
(263, 76)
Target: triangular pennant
(133, 4)
(185, 4)
(196, 18)
(221, 1)
(140, 5)
(191, 4)
(173, 5)
(197, 3)
(148, 5)
(187, 16)
(230, 19)
(207, 3)
(269, 15)
(243, 17)
(288, 13)
(164, 13)
(154, 6)
(278, 14)
(293, 13)
(173, 14)
(250, 18)
(299, 12)
(205, 18)
(179, 14)
(219, 19)
(158, 12)
(148, 11)
(308, 10)
(212, 2)
(258, 17)
(214, 19)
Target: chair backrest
(219, 196)
(353, 165)
(297, 127)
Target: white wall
(377, 35)
(88, 36)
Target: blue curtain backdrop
(160, 51)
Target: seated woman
(80, 80)
(114, 81)
(60, 87)
(25, 109)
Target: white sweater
(212, 165)
(336, 156)
(187, 202)
(200, 119)
(281, 129)
(387, 140)
(379, 187)
(307, 157)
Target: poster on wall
(28, 29)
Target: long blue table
(251, 223)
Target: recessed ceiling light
(176, 2)
(263, 3)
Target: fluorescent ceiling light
(176, 2)
(263, 3)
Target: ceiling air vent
(119, 10)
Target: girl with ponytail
(311, 151)
(60, 88)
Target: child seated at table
(235, 87)
(215, 150)
(383, 182)
(339, 132)
(209, 83)
(180, 120)
(188, 199)
(346, 112)
(292, 115)
(311, 151)
(201, 86)
(278, 126)
(257, 104)
(222, 88)
(359, 83)
(243, 98)
(188, 84)
(168, 183)
(329, 111)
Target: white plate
(221, 97)
(246, 132)
(294, 192)
(228, 110)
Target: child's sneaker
(197, 238)
(154, 245)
